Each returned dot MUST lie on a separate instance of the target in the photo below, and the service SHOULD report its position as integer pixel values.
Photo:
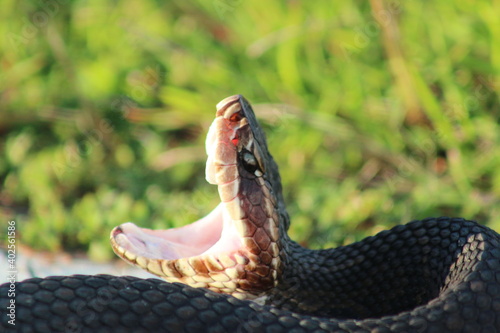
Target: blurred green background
(377, 112)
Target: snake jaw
(235, 249)
(210, 235)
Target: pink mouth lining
(214, 233)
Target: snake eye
(250, 162)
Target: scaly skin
(437, 275)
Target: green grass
(376, 115)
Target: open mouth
(212, 234)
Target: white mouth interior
(212, 234)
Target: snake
(237, 270)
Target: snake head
(235, 249)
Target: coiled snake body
(236, 270)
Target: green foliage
(376, 115)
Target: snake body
(434, 275)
